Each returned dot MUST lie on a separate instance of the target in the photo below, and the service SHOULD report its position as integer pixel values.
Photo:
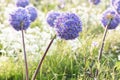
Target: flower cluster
(95, 2)
(33, 12)
(22, 3)
(113, 14)
(108, 15)
(20, 18)
(67, 25)
(51, 17)
(23, 15)
(116, 5)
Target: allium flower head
(108, 15)
(68, 26)
(116, 5)
(95, 2)
(20, 18)
(51, 16)
(22, 3)
(33, 12)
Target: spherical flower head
(51, 17)
(95, 2)
(108, 15)
(116, 5)
(33, 12)
(20, 18)
(68, 26)
(22, 3)
(118, 10)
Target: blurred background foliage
(66, 60)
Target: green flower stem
(25, 57)
(41, 61)
(104, 36)
(102, 46)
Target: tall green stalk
(102, 46)
(41, 61)
(25, 57)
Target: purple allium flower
(116, 5)
(95, 2)
(20, 18)
(22, 3)
(107, 16)
(51, 16)
(68, 26)
(33, 12)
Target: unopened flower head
(116, 5)
(20, 18)
(95, 2)
(108, 15)
(51, 16)
(33, 12)
(68, 26)
(22, 3)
